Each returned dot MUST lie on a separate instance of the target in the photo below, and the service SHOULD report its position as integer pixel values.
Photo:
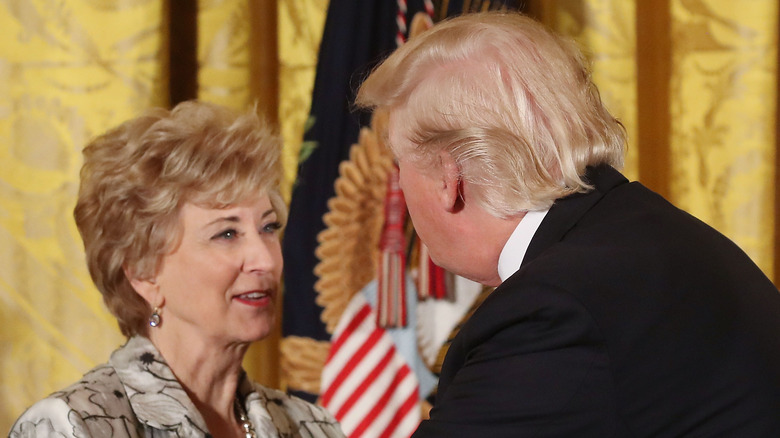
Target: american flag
(366, 383)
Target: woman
(180, 215)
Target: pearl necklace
(246, 425)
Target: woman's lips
(254, 298)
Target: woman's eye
(227, 235)
(272, 227)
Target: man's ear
(451, 183)
(147, 288)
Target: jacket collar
(566, 212)
(157, 398)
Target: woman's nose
(262, 254)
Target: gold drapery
(69, 71)
(723, 111)
(301, 23)
(694, 81)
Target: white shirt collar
(514, 250)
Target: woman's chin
(258, 331)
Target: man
(615, 314)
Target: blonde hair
(511, 102)
(137, 176)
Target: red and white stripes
(400, 21)
(429, 8)
(366, 384)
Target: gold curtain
(69, 71)
(300, 27)
(695, 83)
(723, 103)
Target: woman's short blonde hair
(137, 176)
(511, 102)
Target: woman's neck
(210, 374)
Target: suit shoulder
(529, 314)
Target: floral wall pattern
(67, 71)
(724, 100)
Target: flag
(367, 384)
(356, 36)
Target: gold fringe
(301, 363)
(349, 245)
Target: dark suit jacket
(627, 318)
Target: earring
(154, 319)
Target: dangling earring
(154, 319)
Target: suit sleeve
(529, 363)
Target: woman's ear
(451, 183)
(147, 288)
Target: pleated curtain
(71, 70)
(695, 84)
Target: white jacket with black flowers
(136, 395)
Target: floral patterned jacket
(136, 395)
